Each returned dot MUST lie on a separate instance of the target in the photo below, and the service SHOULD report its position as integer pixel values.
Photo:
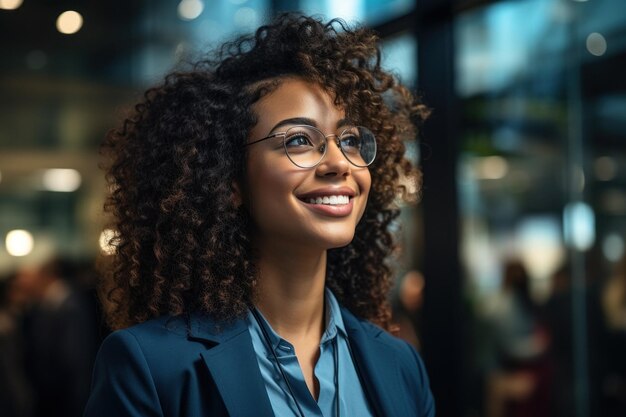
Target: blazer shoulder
(411, 368)
(374, 331)
(160, 326)
(123, 383)
(157, 340)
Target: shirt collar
(275, 339)
(334, 323)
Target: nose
(334, 162)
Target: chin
(337, 241)
(339, 246)
(334, 236)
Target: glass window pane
(399, 55)
(542, 202)
(370, 12)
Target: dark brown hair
(182, 244)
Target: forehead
(295, 98)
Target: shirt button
(284, 347)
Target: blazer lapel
(233, 366)
(378, 376)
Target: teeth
(332, 200)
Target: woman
(252, 198)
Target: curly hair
(182, 244)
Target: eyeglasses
(306, 145)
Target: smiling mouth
(330, 200)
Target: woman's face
(279, 194)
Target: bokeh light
(190, 9)
(105, 242)
(61, 180)
(613, 247)
(596, 44)
(19, 242)
(69, 22)
(10, 4)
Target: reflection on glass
(365, 11)
(579, 225)
(540, 249)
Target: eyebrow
(305, 121)
(294, 121)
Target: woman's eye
(352, 142)
(298, 140)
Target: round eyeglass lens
(358, 144)
(306, 146)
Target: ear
(236, 195)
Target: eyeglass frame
(337, 141)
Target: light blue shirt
(353, 401)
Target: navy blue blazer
(195, 367)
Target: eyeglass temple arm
(273, 135)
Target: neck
(291, 291)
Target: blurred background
(512, 278)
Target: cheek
(265, 189)
(365, 185)
(270, 185)
(368, 181)
(364, 180)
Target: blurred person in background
(556, 314)
(60, 337)
(557, 317)
(252, 198)
(407, 307)
(15, 391)
(518, 384)
(614, 307)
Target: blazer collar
(203, 327)
(235, 370)
(233, 365)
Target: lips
(334, 202)
(327, 192)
